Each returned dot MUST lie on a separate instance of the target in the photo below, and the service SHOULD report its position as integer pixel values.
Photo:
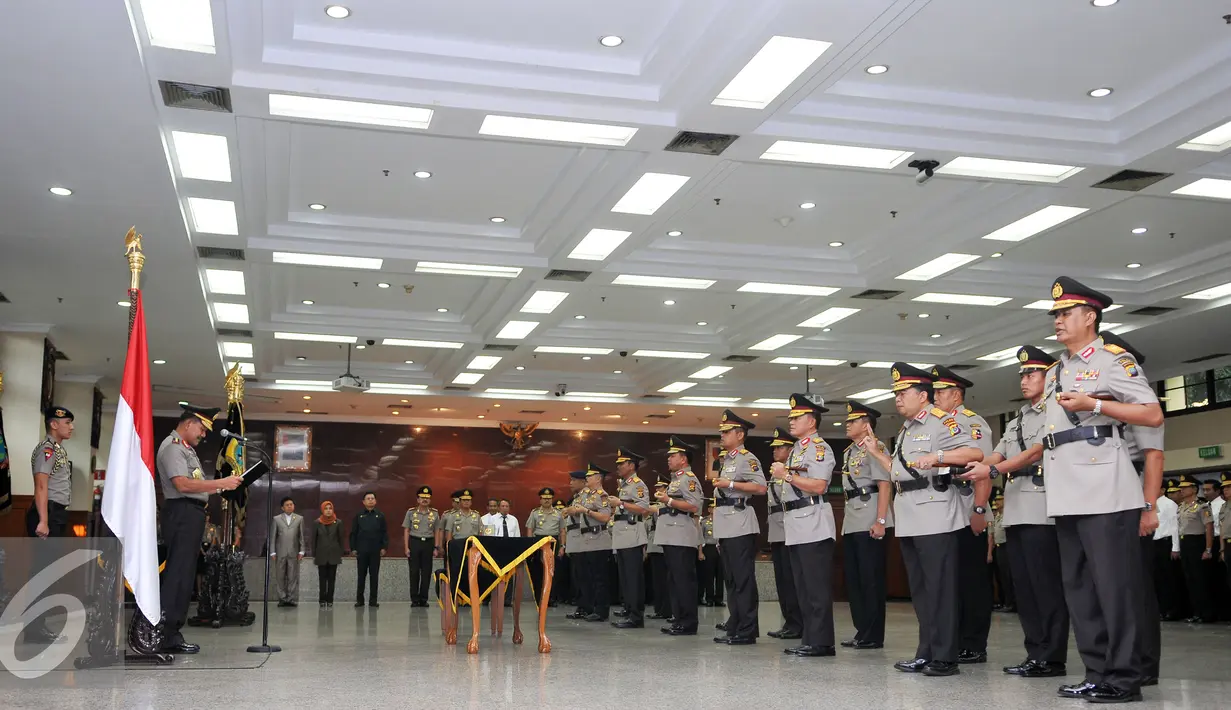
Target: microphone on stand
(241, 439)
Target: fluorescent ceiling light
(710, 400)
(962, 299)
(231, 312)
(677, 387)
(467, 378)
(187, 25)
(1212, 141)
(484, 362)
(304, 383)
(787, 289)
(213, 216)
(402, 342)
(774, 342)
(851, 156)
(565, 350)
(315, 338)
(225, 281)
(884, 364)
(672, 354)
(661, 282)
(202, 156)
(517, 329)
(872, 395)
(246, 369)
(1007, 169)
(598, 244)
(1035, 222)
(828, 317)
(820, 361)
(1210, 294)
(773, 402)
(562, 131)
(710, 372)
(544, 301)
(1206, 187)
(314, 107)
(1046, 304)
(396, 388)
(436, 267)
(942, 264)
(237, 349)
(649, 193)
(601, 395)
(770, 71)
(1001, 354)
(345, 262)
(499, 390)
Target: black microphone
(237, 437)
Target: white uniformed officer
(676, 531)
(1033, 550)
(927, 513)
(788, 601)
(810, 527)
(1093, 490)
(48, 516)
(628, 536)
(736, 528)
(865, 522)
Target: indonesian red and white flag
(129, 506)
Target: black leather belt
(941, 482)
(737, 503)
(202, 505)
(628, 518)
(572, 526)
(775, 509)
(803, 502)
(860, 491)
(1081, 433)
(592, 529)
(1139, 467)
(963, 487)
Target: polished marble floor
(395, 656)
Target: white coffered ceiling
(1006, 81)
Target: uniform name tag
(921, 437)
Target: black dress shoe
(1149, 680)
(1077, 690)
(786, 635)
(185, 648)
(620, 612)
(972, 657)
(678, 631)
(628, 624)
(670, 621)
(1020, 668)
(656, 615)
(295, 604)
(1106, 694)
(813, 651)
(941, 668)
(736, 640)
(577, 615)
(1042, 669)
(595, 617)
(358, 604)
(864, 645)
(282, 603)
(849, 643)
(721, 626)
(912, 666)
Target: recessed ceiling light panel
(337, 12)
(186, 25)
(1215, 140)
(246, 369)
(516, 329)
(237, 349)
(225, 281)
(770, 71)
(816, 361)
(436, 267)
(598, 244)
(610, 41)
(1210, 294)
(544, 301)
(560, 131)
(850, 156)
(787, 289)
(231, 312)
(404, 343)
(567, 350)
(650, 192)
(677, 387)
(322, 109)
(774, 342)
(213, 216)
(315, 337)
(1206, 187)
(1035, 222)
(202, 156)
(991, 168)
(941, 265)
(707, 373)
(661, 282)
(671, 354)
(828, 317)
(484, 362)
(344, 262)
(467, 378)
(961, 299)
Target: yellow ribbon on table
(488, 563)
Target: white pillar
(21, 361)
(76, 393)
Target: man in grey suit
(286, 547)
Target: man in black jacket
(369, 538)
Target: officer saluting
(185, 492)
(928, 514)
(628, 536)
(736, 528)
(788, 602)
(809, 523)
(1093, 491)
(866, 519)
(677, 532)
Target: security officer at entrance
(185, 492)
(736, 529)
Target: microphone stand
(265, 646)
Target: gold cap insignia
(935, 372)
(792, 402)
(60, 413)
(1021, 355)
(849, 408)
(896, 375)
(724, 417)
(1057, 290)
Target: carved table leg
(497, 606)
(549, 570)
(517, 583)
(448, 615)
(476, 607)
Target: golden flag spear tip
(136, 259)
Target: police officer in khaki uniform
(736, 528)
(1033, 549)
(445, 519)
(544, 521)
(575, 547)
(185, 492)
(809, 524)
(974, 574)
(710, 579)
(1094, 493)
(628, 536)
(929, 517)
(418, 535)
(784, 580)
(48, 516)
(865, 523)
(657, 561)
(1224, 524)
(676, 531)
(594, 538)
(466, 522)
(1196, 548)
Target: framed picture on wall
(713, 458)
(293, 448)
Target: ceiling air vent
(1151, 311)
(4, 299)
(532, 411)
(700, 143)
(877, 294)
(234, 333)
(567, 275)
(1203, 358)
(220, 253)
(499, 348)
(1132, 180)
(739, 358)
(177, 94)
(455, 388)
(658, 416)
(653, 396)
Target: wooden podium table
(479, 566)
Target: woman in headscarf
(327, 550)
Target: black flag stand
(265, 646)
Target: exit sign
(1209, 452)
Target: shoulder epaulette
(1114, 349)
(968, 413)
(1049, 367)
(636, 479)
(743, 451)
(939, 413)
(848, 448)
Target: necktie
(504, 520)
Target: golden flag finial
(136, 259)
(234, 385)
